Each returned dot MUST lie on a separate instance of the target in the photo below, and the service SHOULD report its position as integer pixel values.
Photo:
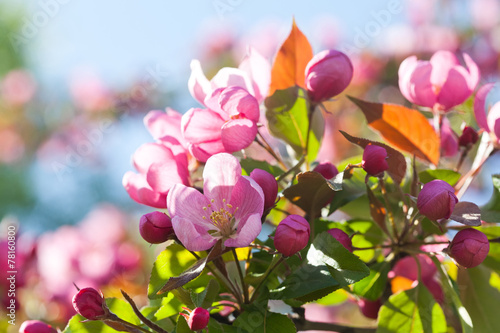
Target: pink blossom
(469, 247)
(228, 125)
(440, 83)
(230, 208)
(449, 140)
(491, 122)
(292, 235)
(17, 87)
(253, 75)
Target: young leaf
(396, 160)
(467, 213)
(287, 114)
(479, 298)
(491, 211)
(248, 165)
(259, 319)
(207, 296)
(404, 128)
(311, 193)
(411, 311)
(289, 66)
(373, 286)
(449, 176)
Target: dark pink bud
(292, 235)
(369, 308)
(342, 237)
(407, 267)
(89, 303)
(197, 319)
(156, 227)
(469, 137)
(374, 160)
(436, 200)
(469, 247)
(36, 326)
(327, 170)
(435, 289)
(327, 75)
(268, 184)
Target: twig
(138, 313)
(240, 273)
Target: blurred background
(77, 77)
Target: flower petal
(442, 62)
(248, 230)
(236, 101)
(162, 176)
(405, 71)
(201, 125)
(474, 74)
(494, 120)
(248, 196)
(203, 151)
(480, 105)
(456, 88)
(259, 70)
(191, 235)
(140, 191)
(420, 87)
(161, 123)
(238, 134)
(198, 84)
(228, 76)
(188, 203)
(221, 173)
(148, 154)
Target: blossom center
(223, 220)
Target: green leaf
(311, 193)
(373, 286)
(411, 311)
(493, 259)
(119, 307)
(449, 176)
(207, 296)
(352, 188)
(170, 305)
(182, 326)
(259, 319)
(491, 211)
(248, 165)
(479, 298)
(287, 114)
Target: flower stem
(240, 273)
(138, 313)
(264, 278)
(264, 144)
(389, 211)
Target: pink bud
(342, 237)
(198, 319)
(374, 160)
(449, 140)
(469, 137)
(327, 75)
(156, 227)
(36, 326)
(407, 267)
(292, 235)
(469, 247)
(436, 200)
(369, 308)
(268, 184)
(89, 303)
(327, 170)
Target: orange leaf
(290, 63)
(404, 128)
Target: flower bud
(292, 235)
(156, 227)
(327, 170)
(327, 75)
(269, 186)
(469, 137)
(369, 308)
(408, 267)
(436, 200)
(374, 160)
(89, 303)
(197, 319)
(469, 247)
(36, 326)
(342, 237)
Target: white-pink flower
(491, 122)
(230, 208)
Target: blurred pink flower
(17, 87)
(90, 93)
(12, 147)
(485, 14)
(253, 75)
(440, 83)
(491, 122)
(228, 125)
(449, 140)
(229, 209)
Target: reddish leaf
(290, 63)
(396, 160)
(467, 213)
(377, 209)
(407, 129)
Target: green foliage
(411, 311)
(491, 211)
(259, 319)
(373, 286)
(449, 176)
(248, 164)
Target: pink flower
(468, 138)
(326, 169)
(342, 237)
(328, 73)
(469, 247)
(156, 227)
(197, 319)
(228, 125)
(159, 169)
(17, 87)
(292, 235)
(436, 200)
(161, 124)
(491, 122)
(36, 326)
(440, 83)
(369, 308)
(89, 303)
(374, 160)
(253, 75)
(230, 208)
(269, 186)
(449, 140)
